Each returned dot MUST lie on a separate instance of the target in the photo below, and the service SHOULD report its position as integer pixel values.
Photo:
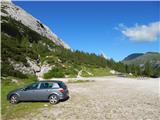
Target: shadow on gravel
(65, 99)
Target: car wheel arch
(14, 94)
(53, 94)
(14, 99)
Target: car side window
(55, 85)
(62, 85)
(46, 85)
(32, 86)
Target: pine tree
(148, 69)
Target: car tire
(53, 99)
(14, 99)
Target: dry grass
(79, 81)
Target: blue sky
(116, 28)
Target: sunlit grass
(10, 111)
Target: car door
(30, 92)
(45, 90)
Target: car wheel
(53, 99)
(14, 99)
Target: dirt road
(108, 98)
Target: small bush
(8, 70)
(55, 72)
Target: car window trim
(34, 88)
(45, 88)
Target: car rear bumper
(64, 96)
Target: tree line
(91, 59)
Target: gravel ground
(107, 98)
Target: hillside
(30, 48)
(140, 59)
(133, 56)
(149, 63)
(26, 51)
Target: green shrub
(10, 30)
(55, 72)
(8, 70)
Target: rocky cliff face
(10, 10)
(26, 42)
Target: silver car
(52, 91)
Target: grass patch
(10, 111)
(95, 72)
(131, 76)
(79, 81)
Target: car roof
(57, 81)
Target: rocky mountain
(25, 42)
(141, 58)
(28, 47)
(8, 9)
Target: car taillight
(61, 90)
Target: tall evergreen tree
(148, 69)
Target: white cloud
(142, 33)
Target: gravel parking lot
(107, 98)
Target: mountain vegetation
(25, 53)
(22, 46)
(19, 42)
(149, 63)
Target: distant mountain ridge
(141, 58)
(133, 56)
